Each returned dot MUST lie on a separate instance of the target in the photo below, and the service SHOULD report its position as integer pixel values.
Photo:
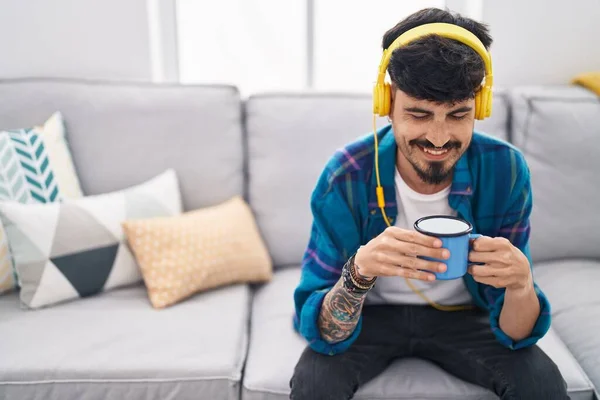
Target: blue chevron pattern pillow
(35, 167)
(28, 176)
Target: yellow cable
(381, 204)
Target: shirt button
(373, 212)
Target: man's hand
(505, 266)
(394, 253)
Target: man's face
(431, 136)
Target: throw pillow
(35, 167)
(198, 250)
(77, 248)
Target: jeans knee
(541, 381)
(300, 386)
(308, 384)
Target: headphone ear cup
(478, 105)
(376, 99)
(488, 108)
(387, 100)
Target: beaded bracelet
(352, 282)
(361, 281)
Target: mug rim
(462, 233)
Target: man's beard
(436, 172)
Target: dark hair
(437, 68)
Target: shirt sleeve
(334, 238)
(516, 228)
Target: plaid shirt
(490, 188)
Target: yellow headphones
(483, 97)
(382, 103)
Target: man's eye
(458, 117)
(419, 116)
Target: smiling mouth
(435, 152)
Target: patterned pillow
(199, 250)
(77, 248)
(35, 167)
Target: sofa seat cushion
(116, 346)
(572, 288)
(275, 348)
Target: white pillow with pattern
(35, 167)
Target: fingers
(485, 257)
(411, 243)
(413, 249)
(486, 243)
(387, 270)
(414, 237)
(396, 258)
(418, 263)
(486, 271)
(502, 256)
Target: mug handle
(472, 238)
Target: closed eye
(458, 117)
(420, 116)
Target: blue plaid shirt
(490, 188)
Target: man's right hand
(394, 253)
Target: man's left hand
(505, 266)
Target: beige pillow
(199, 250)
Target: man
(354, 306)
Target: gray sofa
(238, 341)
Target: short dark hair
(437, 68)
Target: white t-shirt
(394, 290)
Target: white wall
(536, 41)
(543, 41)
(75, 38)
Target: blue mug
(455, 234)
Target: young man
(353, 304)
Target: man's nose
(438, 136)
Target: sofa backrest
(123, 134)
(290, 138)
(558, 130)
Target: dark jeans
(461, 342)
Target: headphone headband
(449, 31)
(483, 100)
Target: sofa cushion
(572, 288)
(116, 346)
(558, 128)
(290, 138)
(121, 134)
(275, 349)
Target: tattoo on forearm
(339, 313)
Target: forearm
(519, 313)
(340, 313)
